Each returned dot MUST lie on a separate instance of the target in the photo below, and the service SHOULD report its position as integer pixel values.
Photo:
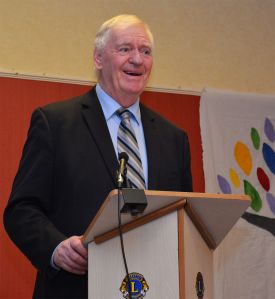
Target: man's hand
(72, 256)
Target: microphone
(123, 159)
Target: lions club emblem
(138, 286)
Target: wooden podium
(171, 244)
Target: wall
(227, 44)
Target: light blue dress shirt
(109, 107)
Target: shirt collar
(110, 106)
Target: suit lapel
(151, 134)
(95, 120)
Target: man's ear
(98, 59)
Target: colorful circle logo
(255, 157)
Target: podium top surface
(213, 214)
(106, 218)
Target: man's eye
(124, 50)
(146, 52)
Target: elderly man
(70, 159)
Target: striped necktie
(127, 142)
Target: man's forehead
(128, 35)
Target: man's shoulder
(71, 103)
(160, 120)
(66, 112)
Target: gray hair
(103, 34)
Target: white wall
(225, 44)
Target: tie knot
(124, 113)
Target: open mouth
(136, 74)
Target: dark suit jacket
(67, 169)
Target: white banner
(238, 140)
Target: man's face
(125, 63)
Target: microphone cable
(128, 285)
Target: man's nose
(136, 57)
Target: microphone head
(124, 156)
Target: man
(69, 161)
